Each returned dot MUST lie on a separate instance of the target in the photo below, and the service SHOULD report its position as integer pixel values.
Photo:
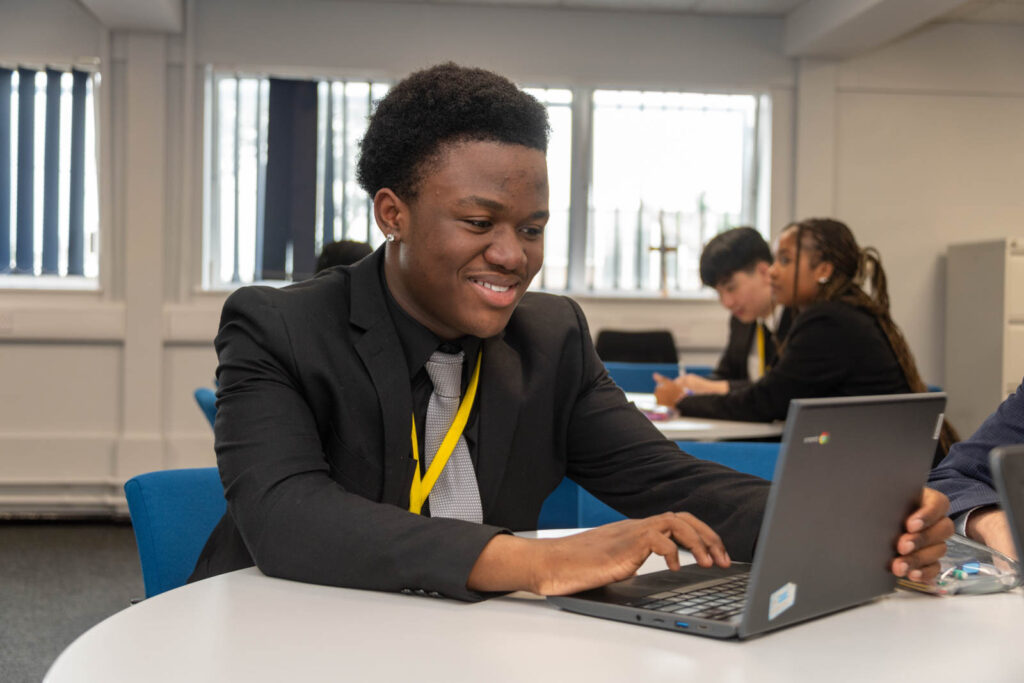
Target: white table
(700, 429)
(244, 626)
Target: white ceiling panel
(775, 8)
(138, 15)
(989, 12)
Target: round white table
(244, 626)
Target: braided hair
(859, 280)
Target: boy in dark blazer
(735, 264)
(325, 388)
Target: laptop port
(682, 624)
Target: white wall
(916, 145)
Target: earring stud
(390, 237)
(822, 280)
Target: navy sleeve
(964, 475)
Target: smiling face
(747, 293)
(796, 283)
(468, 245)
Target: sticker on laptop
(781, 600)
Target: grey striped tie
(455, 494)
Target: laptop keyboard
(721, 600)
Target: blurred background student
(735, 264)
(342, 253)
(843, 341)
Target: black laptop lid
(849, 472)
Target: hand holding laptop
(924, 542)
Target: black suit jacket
(732, 366)
(833, 349)
(313, 441)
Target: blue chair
(699, 370)
(173, 513)
(638, 376)
(753, 457)
(592, 512)
(570, 506)
(561, 508)
(207, 400)
(743, 456)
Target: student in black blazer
(843, 342)
(322, 386)
(735, 264)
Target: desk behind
(701, 429)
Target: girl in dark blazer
(843, 341)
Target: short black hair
(441, 105)
(343, 253)
(730, 252)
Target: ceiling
(812, 28)
(988, 12)
(770, 8)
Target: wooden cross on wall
(664, 250)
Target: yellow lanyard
(421, 487)
(760, 346)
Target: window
(667, 171)
(238, 156)
(670, 171)
(48, 194)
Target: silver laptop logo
(820, 439)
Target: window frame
(757, 176)
(580, 210)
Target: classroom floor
(57, 579)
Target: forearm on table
(507, 563)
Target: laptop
(849, 472)
(1008, 474)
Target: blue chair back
(561, 508)
(207, 400)
(753, 457)
(638, 376)
(700, 370)
(571, 507)
(173, 513)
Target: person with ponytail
(843, 341)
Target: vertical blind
(283, 184)
(43, 170)
(290, 195)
